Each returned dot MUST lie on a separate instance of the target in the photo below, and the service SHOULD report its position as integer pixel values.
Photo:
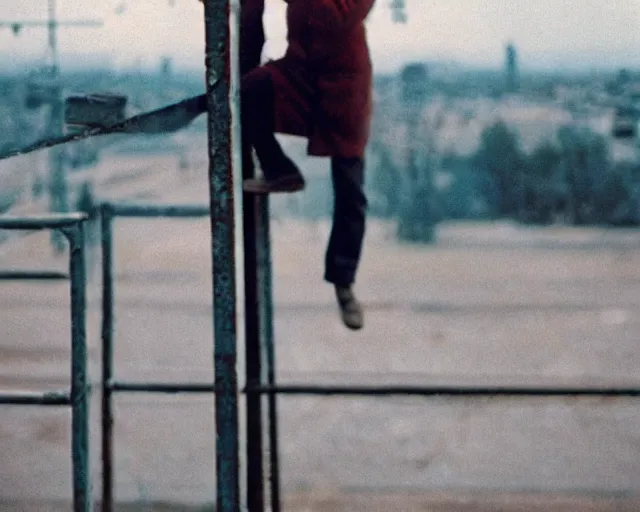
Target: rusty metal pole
(80, 387)
(253, 219)
(265, 275)
(221, 83)
(254, 216)
(107, 327)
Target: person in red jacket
(321, 90)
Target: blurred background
(504, 189)
(526, 113)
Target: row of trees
(571, 180)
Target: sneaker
(350, 309)
(289, 178)
(285, 184)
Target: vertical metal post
(106, 225)
(263, 236)
(52, 26)
(80, 392)
(251, 44)
(253, 348)
(221, 79)
(58, 180)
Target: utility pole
(417, 219)
(52, 95)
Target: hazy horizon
(550, 34)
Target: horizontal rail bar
(451, 391)
(391, 390)
(44, 23)
(35, 398)
(45, 221)
(160, 387)
(154, 210)
(27, 275)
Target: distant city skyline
(547, 33)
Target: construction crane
(44, 88)
(96, 115)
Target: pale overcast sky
(546, 32)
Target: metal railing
(78, 396)
(260, 352)
(222, 82)
(108, 214)
(259, 343)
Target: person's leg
(258, 131)
(347, 235)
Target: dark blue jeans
(349, 217)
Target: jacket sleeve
(340, 14)
(252, 36)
